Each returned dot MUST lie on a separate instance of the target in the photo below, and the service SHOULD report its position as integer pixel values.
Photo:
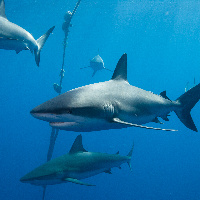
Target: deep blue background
(162, 40)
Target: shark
(76, 165)
(97, 64)
(14, 37)
(115, 104)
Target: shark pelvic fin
(156, 120)
(120, 72)
(2, 9)
(117, 120)
(72, 180)
(77, 145)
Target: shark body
(14, 37)
(114, 104)
(76, 165)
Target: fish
(96, 64)
(114, 104)
(14, 37)
(76, 165)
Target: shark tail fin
(40, 42)
(188, 101)
(130, 156)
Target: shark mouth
(63, 124)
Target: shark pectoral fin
(72, 180)
(108, 69)
(108, 171)
(117, 120)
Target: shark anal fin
(156, 120)
(165, 117)
(108, 171)
(76, 181)
(117, 120)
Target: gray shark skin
(74, 166)
(114, 104)
(13, 37)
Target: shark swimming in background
(114, 104)
(13, 37)
(76, 165)
(96, 64)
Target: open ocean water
(162, 41)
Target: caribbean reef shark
(74, 166)
(114, 104)
(13, 37)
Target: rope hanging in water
(67, 23)
(54, 133)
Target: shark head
(97, 63)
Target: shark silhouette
(96, 64)
(114, 104)
(13, 37)
(75, 165)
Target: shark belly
(13, 44)
(88, 125)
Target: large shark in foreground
(114, 104)
(13, 37)
(75, 165)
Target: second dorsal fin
(164, 95)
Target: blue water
(162, 41)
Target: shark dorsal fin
(2, 9)
(77, 145)
(120, 72)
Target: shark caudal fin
(40, 42)
(130, 156)
(188, 101)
